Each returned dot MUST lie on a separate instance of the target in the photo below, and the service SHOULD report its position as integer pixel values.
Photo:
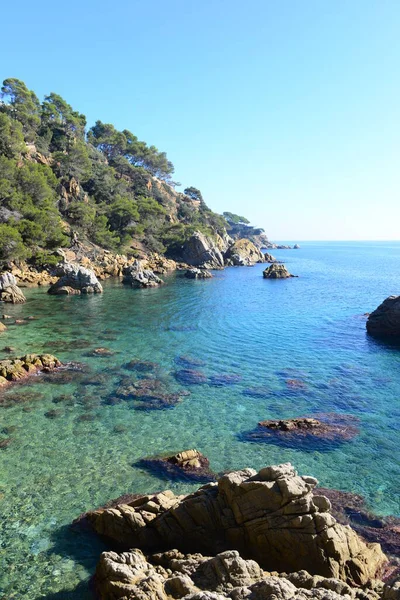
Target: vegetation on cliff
(60, 181)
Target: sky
(284, 111)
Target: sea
(260, 349)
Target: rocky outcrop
(18, 368)
(201, 251)
(385, 320)
(277, 271)
(296, 247)
(271, 516)
(268, 258)
(9, 290)
(243, 253)
(133, 576)
(198, 274)
(74, 278)
(138, 277)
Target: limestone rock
(270, 516)
(198, 274)
(276, 271)
(77, 277)
(201, 251)
(9, 291)
(243, 253)
(137, 277)
(385, 320)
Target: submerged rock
(141, 366)
(137, 277)
(73, 278)
(223, 380)
(198, 274)
(190, 377)
(189, 464)
(150, 394)
(243, 253)
(326, 429)
(277, 271)
(385, 320)
(9, 290)
(271, 516)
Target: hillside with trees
(60, 181)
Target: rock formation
(18, 368)
(201, 251)
(385, 320)
(271, 516)
(9, 291)
(276, 271)
(243, 253)
(137, 277)
(198, 274)
(75, 279)
(268, 258)
(133, 576)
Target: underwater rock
(190, 377)
(189, 464)
(198, 274)
(277, 271)
(150, 394)
(224, 380)
(75, 278)
(53, 413)
(189, 361)
(141, 366)
(325, 427)
(384, 321)
(257, 392)
(137, 277)
(4, 443)
(101, 352)
(271, 516)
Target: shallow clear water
(310, 329)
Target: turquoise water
(310, 329)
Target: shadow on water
(376, 343)
(81, 592)
(84, 547)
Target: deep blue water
(310, 329)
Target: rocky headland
(267, 535)
(384, 321)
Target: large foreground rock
(9, 290)
(385, 320)
(136, 276)
(133, 576)
(271, 516)
(74, 278)
(277, 271)
(243, 253)
(201, 251)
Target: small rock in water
(53, 413)
(101, 352)
(4, 443)
(189, 464)
(120, 428)
(142, 366)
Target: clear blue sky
(284, 111)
